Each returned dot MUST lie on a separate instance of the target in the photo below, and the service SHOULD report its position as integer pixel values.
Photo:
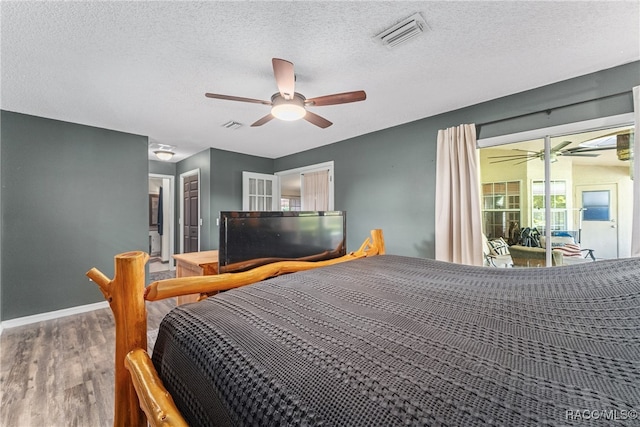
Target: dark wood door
(190, 208)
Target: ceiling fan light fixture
(288, 110)
(289, 105)
(164, 155)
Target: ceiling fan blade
(579, 155)
(337, 98)
(285, 77)
(537, 153)
(263, 120)
(513, 156)
(560, 146)
(525, 161)
(513, 159)
(317, 120)
(588, 150)
(502, 161)
(236, 98)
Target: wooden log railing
(140, 396)
(210, 284)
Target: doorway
(190, 211)
(161, 222)
(307, 188)
(570, 185)
(598, 229)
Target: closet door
(190, 209)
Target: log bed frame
(140, 396)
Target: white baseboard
(27, 320)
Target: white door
(260, 192)
(598, 226)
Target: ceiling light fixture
(402, 31)
(164, 155)
(289, 110)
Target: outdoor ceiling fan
(556, 151)
(289, 105)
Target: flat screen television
(251, 239)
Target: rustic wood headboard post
(378, 241)
(125, 296)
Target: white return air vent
(232, 125)
(403, 31)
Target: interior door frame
(181, 198)
(315, 168)
(170, 214)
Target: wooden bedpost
(124, 294)
(378, 241)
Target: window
(290, 204)
(558, 191)
(596, 205)
(500, 207)
(260, 192)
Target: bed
(390, 340)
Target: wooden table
(195, 264)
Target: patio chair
(496, 252)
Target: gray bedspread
(393, 340)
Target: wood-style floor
(60, 372)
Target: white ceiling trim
(559, 130)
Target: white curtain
(458, 214)
(635, 226)
(315, 191)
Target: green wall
(221, 187)
(162, 168)
(561, 103)
(73, 197)
(226, 184)
(387, 179)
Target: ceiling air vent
(232, 125)
(401, 32)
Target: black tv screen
(251, 239)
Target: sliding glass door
(569, 195)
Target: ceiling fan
(556, 151)
(289, 105)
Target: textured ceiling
(144, 67)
